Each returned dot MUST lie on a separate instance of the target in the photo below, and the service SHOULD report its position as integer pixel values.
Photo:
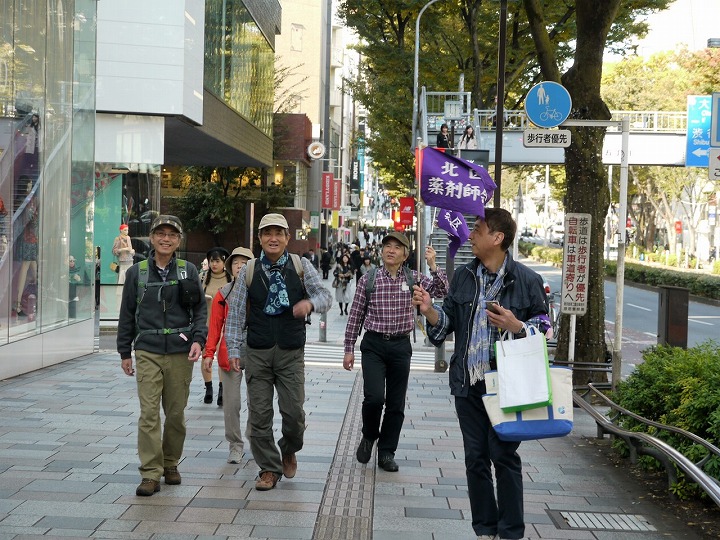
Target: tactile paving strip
(600, 521)
(347, 503)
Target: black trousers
(386, 370)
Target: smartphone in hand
(492, 305)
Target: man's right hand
(127, 366)
(421, 298)
(235, 364)
(349, 361)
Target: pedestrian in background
(230, 379)
(493, 275)
(274, 307)
(443, 138)
(162, 316)
(215, 278)
(325, 263)
(386, 349)
(467, 141)
(343, 274)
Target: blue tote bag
(544, 422)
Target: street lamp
(415, 73)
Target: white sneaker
(235, 456)
(487, 537)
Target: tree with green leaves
(543, 38)
(215, 198)
(662, 82)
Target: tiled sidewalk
(68, 468)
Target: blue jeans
(503, 516)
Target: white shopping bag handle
(530, 329)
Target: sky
(686, 21)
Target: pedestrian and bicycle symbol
(548, 104)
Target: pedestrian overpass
(656, 137)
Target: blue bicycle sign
(548, 104)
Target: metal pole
(620, 275)
(415, 72)
(546, 213)
(499, 106)
(322, 337)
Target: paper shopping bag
(554, 420)
(523, 371)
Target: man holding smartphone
(488, 295)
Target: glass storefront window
(47, 102)
(128, 200)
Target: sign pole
(571, 344)
(620, 274)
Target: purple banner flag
(453, 183)
(454, 224)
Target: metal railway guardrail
(643, 443)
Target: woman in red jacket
(229, 378)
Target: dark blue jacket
(522, 292)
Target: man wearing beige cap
(163, 316)
(274, 306)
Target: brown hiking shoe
(267, 481)
(172, 476)
(147, 487)
(289, 465)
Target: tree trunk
(586, 182)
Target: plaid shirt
(390, 310)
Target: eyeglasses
(171, 235)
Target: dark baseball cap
(167, 219)
(400, 237)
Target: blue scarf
(277, 299)
(478, 356)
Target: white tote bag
(523, 371)
(554, 420)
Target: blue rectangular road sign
(699, 115)
(715, 122)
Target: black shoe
(208, 393)
(387, 463)
(220, 400)
(364, 451)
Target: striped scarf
(478, 357)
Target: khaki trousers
(232, 403)
(161, 379)
(265, 371)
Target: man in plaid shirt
(386, 347)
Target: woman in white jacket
(467, 141)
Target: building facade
(314, 48)
(96, 99)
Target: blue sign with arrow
(699, 117)
(548, 104)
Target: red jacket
(218, 314)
